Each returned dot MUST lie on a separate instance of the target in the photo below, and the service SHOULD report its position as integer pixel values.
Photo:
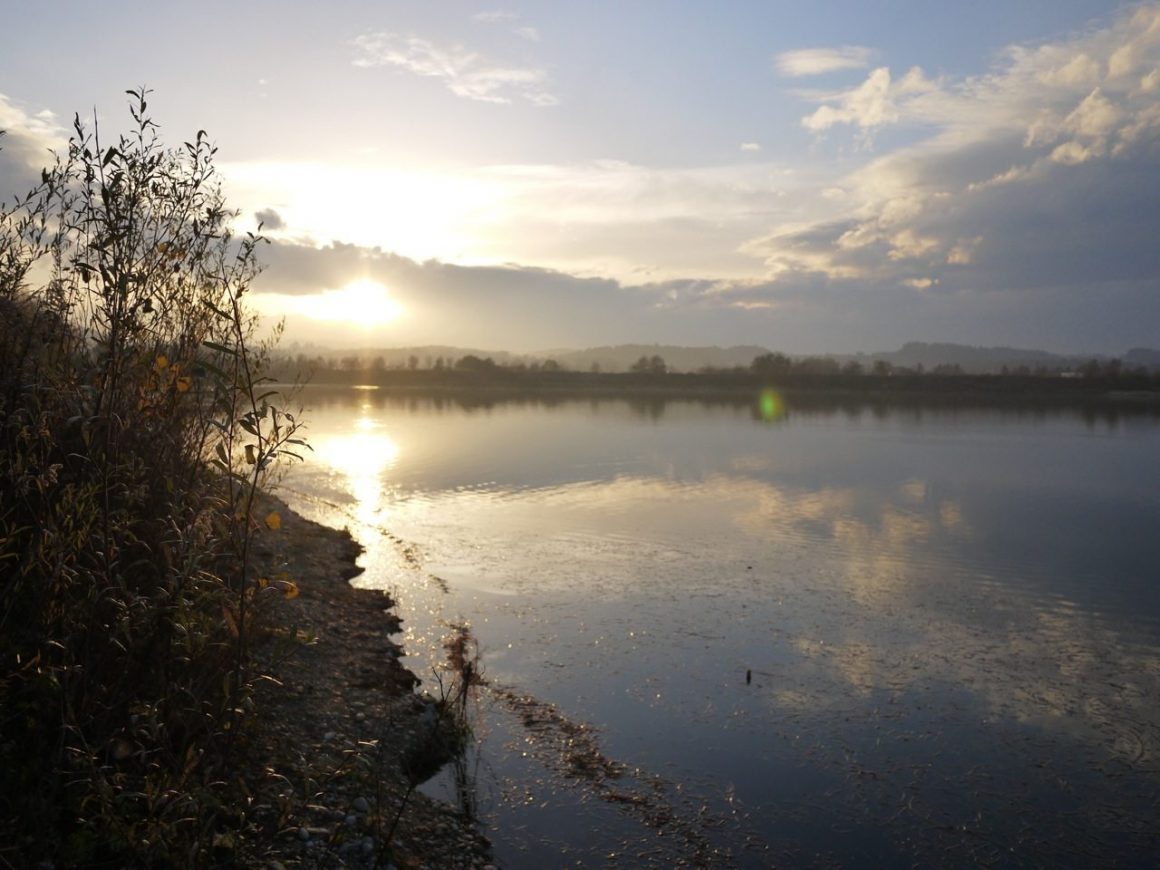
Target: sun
(363, 301)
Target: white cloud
(1095, 117)
(1136, 52)
(1071, 154)
(1071, 123)
(920, 283)
(963, 253)
(495, 15)
(24, 148)
(909, 245)
(816, 61)
(876, 102)
(466, 73)
(750, 146)
(531, 34)
(1078, 71)
(609, 218)
(42, 125)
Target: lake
(768, 632)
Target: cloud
(25, 147)
(874, 103)
(920, 283)
(1021, 203)
(610, 218)
(1037, 180)
(816, 61)
(495, 15)
(1040, 89)
(465, 73)
(500, 16)
(270, 219)
(750, 146)
(501, 307)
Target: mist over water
(839, 635)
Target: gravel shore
(341, 736)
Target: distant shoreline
(904, 389)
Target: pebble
(303, 835)
(361, 805)
(360, 716)
(329, 736)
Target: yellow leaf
(163, 247)
(263, 582)
(161, 362)
(273, 521)
(290, 590)
(183, 383)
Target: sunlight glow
(364, 456)
(363, 302)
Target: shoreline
(921, 392)
(338, 727)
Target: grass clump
(134, 433)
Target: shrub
(133, 436)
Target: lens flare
(770, 406)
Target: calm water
(841, 637)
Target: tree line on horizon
(772, 364)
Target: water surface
(840, 636)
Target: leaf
(290, 590)
(161, 362)
(251, 456)
(220, 348)
(273, 521)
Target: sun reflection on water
(364, 456)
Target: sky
(831, 176)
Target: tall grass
(134, 434)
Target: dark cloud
(490, 306)
(519, 308)
(270, 219)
